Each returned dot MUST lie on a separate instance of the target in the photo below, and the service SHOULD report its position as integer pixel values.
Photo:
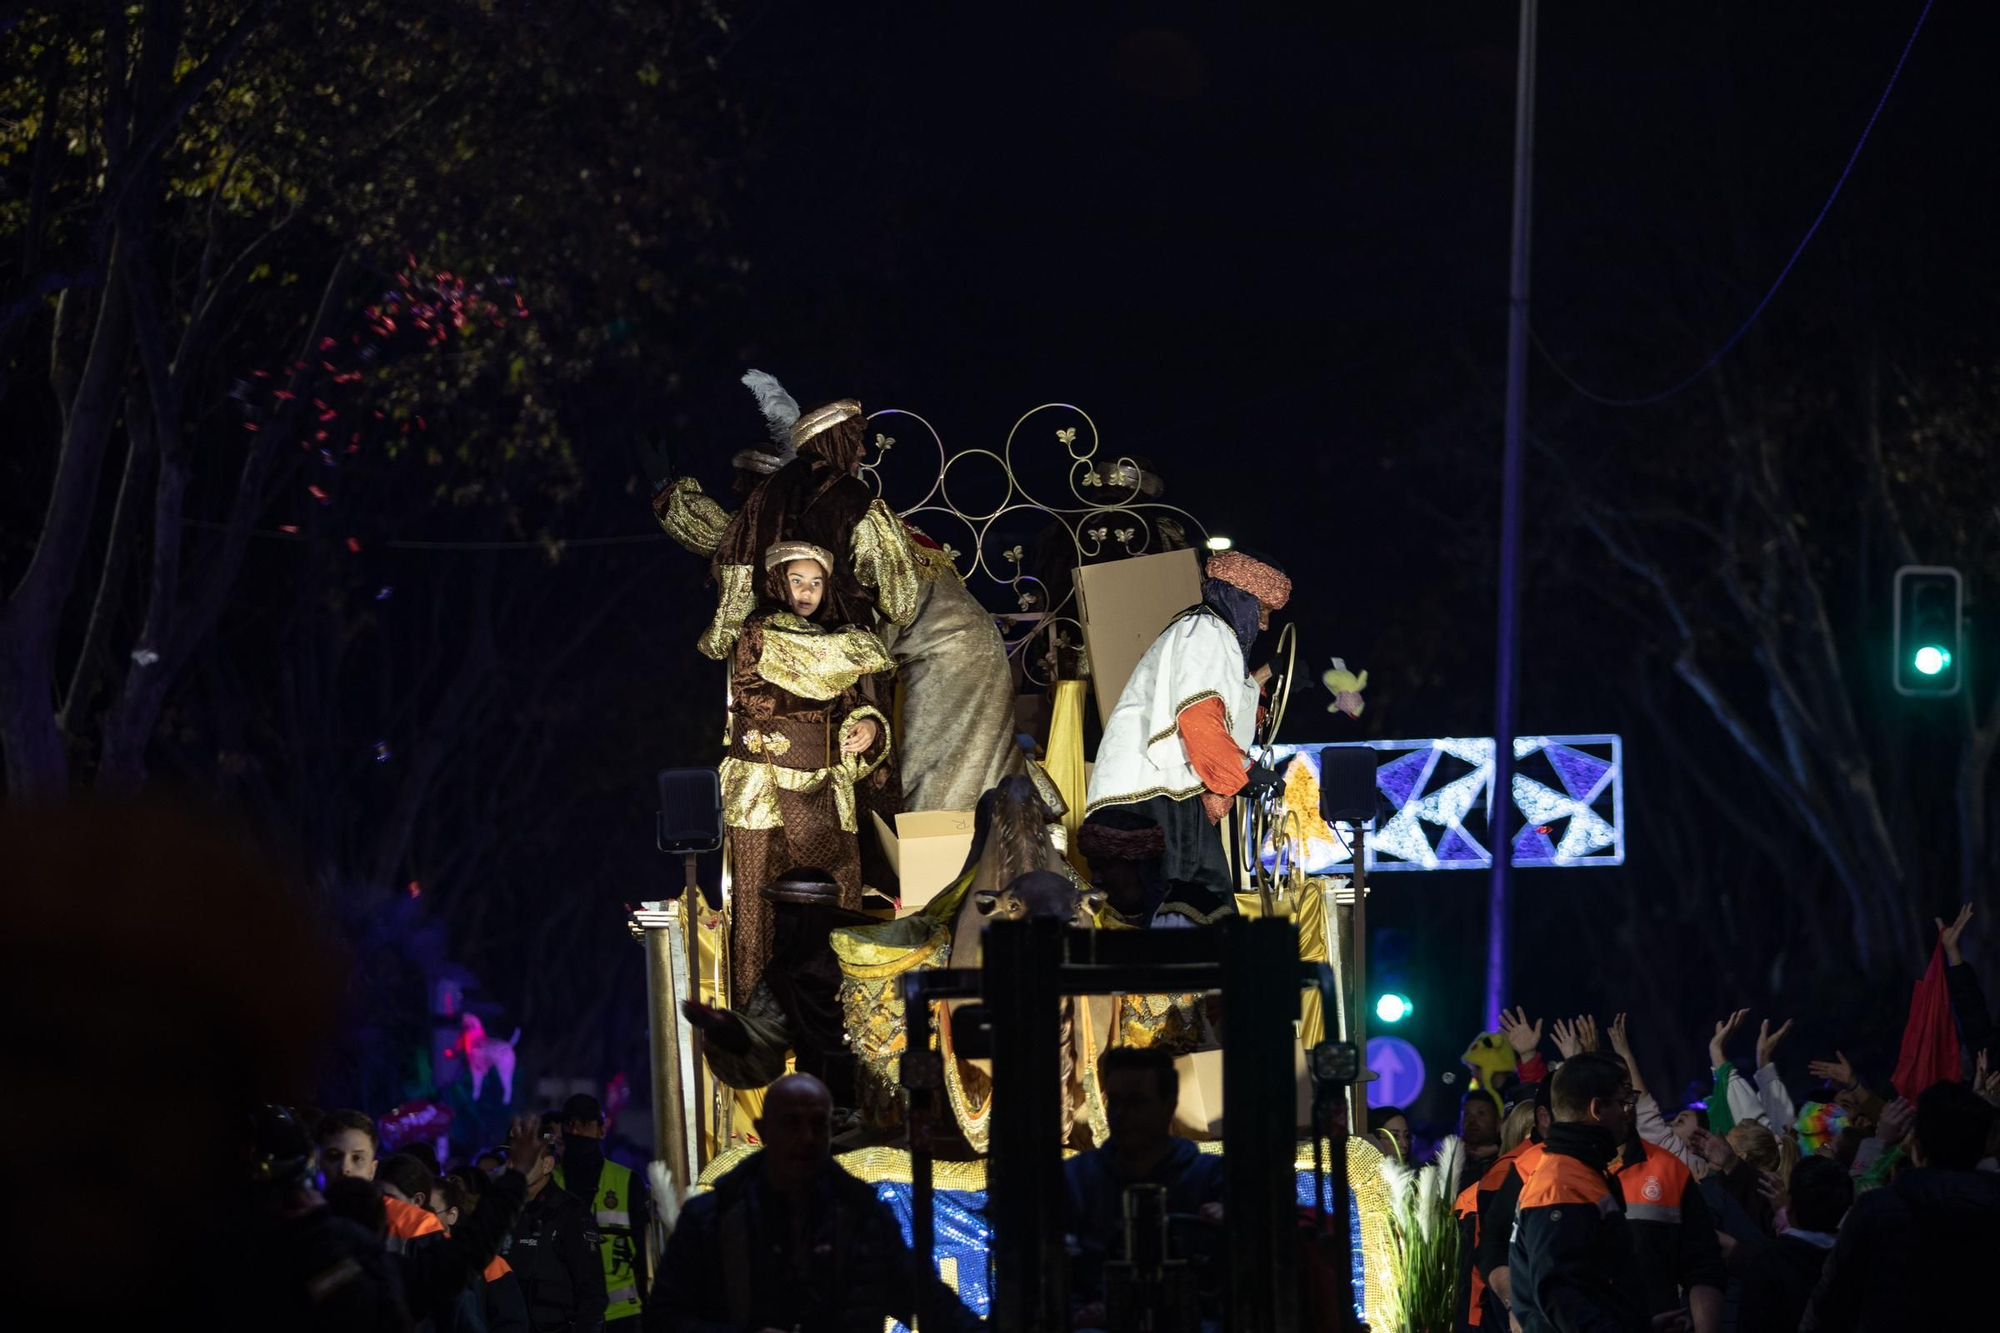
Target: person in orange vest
(1572, 1263)
(1492, 1201)
(439, 1269)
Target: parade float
(1056, 602)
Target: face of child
(805, 585)
(347, 1152)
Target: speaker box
(690, 816)
(1347, 784)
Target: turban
(1271, 588)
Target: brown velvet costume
(788, 792)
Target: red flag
(1930, 1042)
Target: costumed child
(801, 737)
(1176, 746)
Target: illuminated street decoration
(1568, 799)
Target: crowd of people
(1584, 1203)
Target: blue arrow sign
(1399, 1072)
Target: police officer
(554, 1253)
(616, 1194)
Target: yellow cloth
(1064, 761)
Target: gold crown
(822, 418)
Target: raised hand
(1620, 1043)
(1986, 1083)
(1724, 1030)
(1896, 1119)
(1835, 1071)
(1767, 1040)
(1568, 1041)
(1714, 1147)
(1586, 1032)
(1522, 1035)
(524, 1144)
(1772, 1186)
(1952, 932)
(655, 462)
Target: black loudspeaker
(690, 816)
(1347, 784)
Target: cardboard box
(927, 849)
(1124, 604)
(1199, 1114)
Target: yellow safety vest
(619, 1238)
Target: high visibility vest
(619, 1238)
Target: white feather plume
(780, 409)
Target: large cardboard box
(1124, 604)
(927, 849)
(1199, 1114)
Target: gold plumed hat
(822, 418)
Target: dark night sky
(1266, 248)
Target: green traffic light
(1931, 659)
(1393, 1008)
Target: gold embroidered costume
(787, 786)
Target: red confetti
(327, 342)
(319, 436)
(292, 528)
(252, 426)
(319, 493)
(416, 891)
(261, 374)
(283, 395)
(421, 425)
(328, 415)
(354, 545)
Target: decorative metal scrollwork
(1040, 622)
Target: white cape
(1195, 658)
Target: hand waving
(1724, 1030)
(1713, 1147)
(1620, 1043)
(1896, 1120)
(1986, 1082)
(1568, 1040)
(1767, 1040)
(1952, 932)
(524, 1144)
(1521, 1035)
(1836, 1071)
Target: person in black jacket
(788, 1240)
(1918, 1252)
(1573, 1264)
(442, 1270)
(1778, 1278)
(554, 1253)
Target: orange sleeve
(1216, 760)
(496, 1270)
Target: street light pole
(1500, 798)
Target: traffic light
(1393, 1008)
(1929, 605)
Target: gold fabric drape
(1064, 761)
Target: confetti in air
(382, 752)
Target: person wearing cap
(618, 1196)
(802, 736)
(1175, 747)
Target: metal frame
(1028, 967)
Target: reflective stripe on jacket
(1673, 1228)
(619, 1239)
